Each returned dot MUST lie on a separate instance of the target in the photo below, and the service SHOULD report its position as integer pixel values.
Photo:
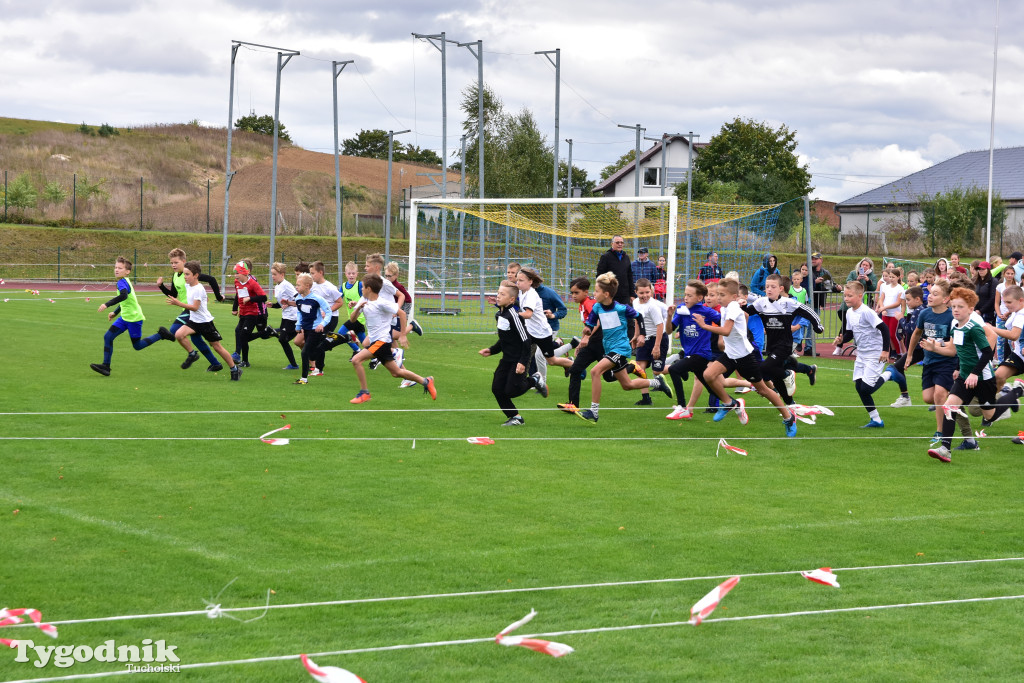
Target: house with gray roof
(872, 211)
(622, 183)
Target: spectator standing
(820, 283)
(1017, 261)
(660, 283)
(643, 268)
(954, 264)
(985, 288)
(711, 272)
(769, 266)
(616, 262)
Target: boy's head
(528, 275)
(928, 275)
(303, 283)
(301, 267)
(915, 297)
(694, 293)
(375, 264)
(607, 286)
(962, 301)
(507, 293)
(1013, 297)
(728, 290)
(192, 271)
(177, 259)
(511, 271)
(122, 266)
(853, 294)
(579, 289)
(938, 294)
(373, 283)
(351, 271)
(773, 286)
(391, 270)
(797, 278)
(742, 290)
(644, 291)
(277, 271)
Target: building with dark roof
(622, 183)
(899, 201)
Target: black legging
(865, 391)
(773, 368)
(585, 357)
(681, 369)
(285, 335)
(311, 350)
(509, 384)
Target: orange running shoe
(362, 397)
(430, 388)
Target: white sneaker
(406, 383)
(741, 411)
(315, 372)
(677, 413)
(399, 356)
(743, 390)
(902, 402)
(790, 382)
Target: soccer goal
(459, 248)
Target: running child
(129, 317)
(349, 332)
(379, 312)
(375, 266)
(391, 273)
(249, 306)
(554, 310)
(696, 343)
(314, 316)
(537, 326)
(905, 332)
(1011, 332)
(974, 376)
(871, 335)
(178, 289)
(285, 294)
(890, 304)
(329, 293)
(200, 321)
(510, 377)
(1002, 311)
(655, 348)
(739, 356)
(579, 290)
(613, 318)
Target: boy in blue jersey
(614, 317)
(314, 315)
(905, 329)
(129, 317)
(696, 347)
(739, 356)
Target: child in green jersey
(129, 320)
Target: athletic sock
(594, 407)
(563, 350)
(654, 383)
(875, 417)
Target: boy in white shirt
(379, 312)
(872, 337)
(285, 294)
(199, 319)
(740, 356)
(655, 348)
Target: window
(652, 177)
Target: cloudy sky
(875, 89)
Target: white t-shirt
(736, 343)
(537, 325)
(378, 318)
(1016, 320)
(388, 291)
(892, 294)
(286, 290)
(654, 314)
(193, 294)
(863, 321)
(327, 291)
(1003, 310)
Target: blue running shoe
(790, 427)
(721, 413)
(290, 367)
(897, 376)
(874, 424)
(235, 357)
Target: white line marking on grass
(547, 634)
(123, 528)
(505, 591)
(738, 437)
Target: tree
(956, 218)
(579, 180)
(264, 125)
(417, 155)
(372, 144)
(761, 160)
(517, 157)
(21, 194)
(610, 169)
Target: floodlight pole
(462, 214)
(387, 212)
(568, 210)
(283, 57)
(992, 139)
(482, 225)
(441, 46)
(557, 63)
(636, 176)
(336, 69)
(661, 237)
(227, 168)
(810, 266)
(689, 196)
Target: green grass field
(148, 491)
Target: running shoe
(242, 363)
(191, 358)
(679, 413)
(587, 416)
(790, 425)
(217, 367)
(101, 368)
(362, 397)
(301, 380)
(812, 375)
(316, 372)
(940, 453)
(574, 342)
(416, 327)
(429, 388)
(637, 370)
(873, 424)
(743, 390)
(236, 373)
(741, 411)
(968, 445)
(790, 382)
(374, 364)
(721, 412)
(406, 383)
(290, 367)
(568, 408)
(516, 421)
(235, 357)
(645, 400)
(165, 334)
(399, 356)
(902, 402)
(539, 384)
(353, 337)
(896, 375)
(663, 387)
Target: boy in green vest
(130, 318)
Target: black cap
(642, 250)
(1017, 255)
(816, 254)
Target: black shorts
(748, 367)
(355, 326)
(546, 345)
(984, 391)
(646, 353)
(381, 350)
(205, 330)
(935, 375)
(1014, 362)
(618, 360)
(331, 324)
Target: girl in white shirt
(890, 305)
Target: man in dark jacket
(643, 267)
(821, 282)
(616, 262)
(711, 272)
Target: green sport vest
(130, 309)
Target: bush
(106, 130)
(21, 194)
(86, 130)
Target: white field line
(729, 437)
(506, 591)
(547, 634)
